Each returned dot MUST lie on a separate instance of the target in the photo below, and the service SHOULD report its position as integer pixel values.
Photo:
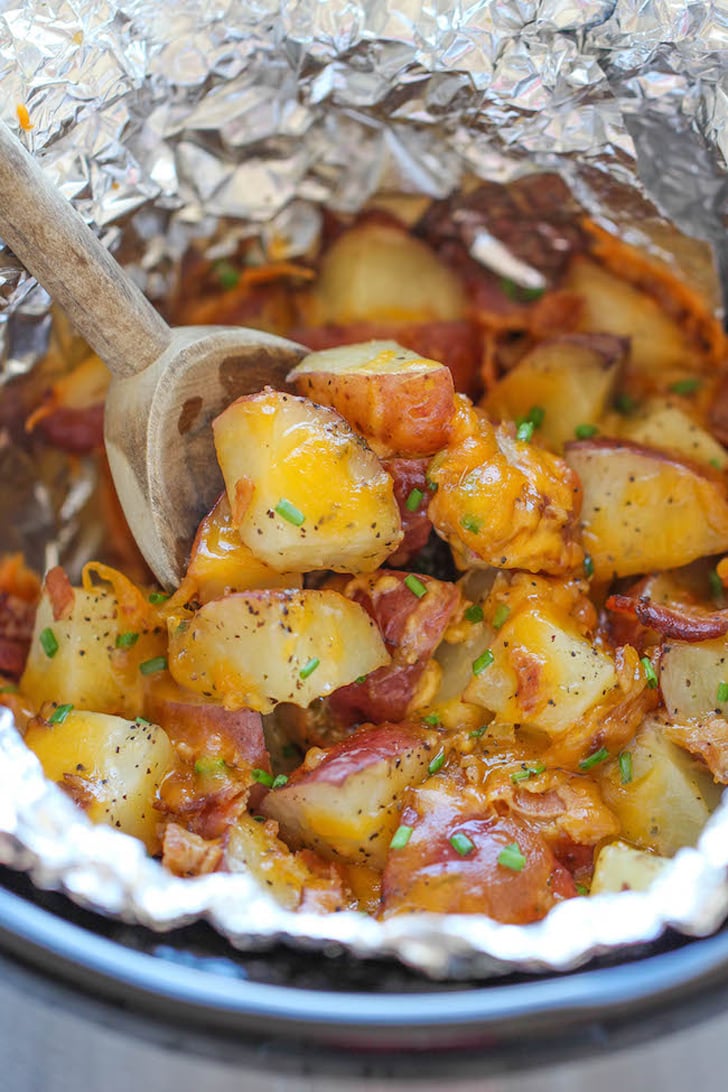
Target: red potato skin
(406, 415)
(428, 874)
(199, 730)
(369, 744)
(409, 474)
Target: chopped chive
(158, 597)
(279, 781)
(686, 386)
(415, 586)
(525, 431)
(721, 694)
(126, 640)
(581, 889)
(624, 403)
(288, 511)
(209, 765)
(650, 673)
(511, 857)
(150, 667)
(474, 613)
(360, 679)
(309, 668)
(594, 759)
(414, 500)
(432, 486)
(588, 565)
(48, 642)
(461, 844)
(263, 778)
(470, 523)
(438, 762)
(259, 818)
(536, 415)
(518, 292)
(432, 719)
(483, 661)
(478, 732)
(625, 767)
(9, 688)
(59, 714)
(289, 750)
(501, 615)
(401, 837)
(716, 585)
(716, 464)
(143, 722)
(227, 275)
(585, 431)
(527, 771)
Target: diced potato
(621, 867)
(221, 563)
(690, 675)
(402, 403)
(613, 306)
(305, 492)
(376, 272)
(645, 509)
(669, 798)
(110, 766)
(347, 805)
(291, 878)
(75, 659)
(544, 672)
(663, 425)
(571, 378)
(255, 649)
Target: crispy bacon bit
(186, 854)
(76, 431)
(207, 806)
(707, 738)
(60, 593)
(679, 622)
(16, 630)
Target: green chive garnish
(438, 762)
(502, 612)
(401, 837)
(209, 765)
(511, 857)
(474, 613)
(716, 464)
(289, 512)
(360, 679)
(414, 500)
(9, 688)
(716, 585)
(126, 640)
(584, 432)
(143, 722)
(528, 771)
(588, 565)
(686, 386)
(263, 778)
(483, 661)
(478, 732)
(227, 275)
(625, 767)
(415, 586)
(594, 759)
(650, 673)
(519, 292)
(158, 597)
(309, 668)
(581, 889)
(525, 431)
(624, 403)
(48, 642)
(470, 523)
(150, 667)
(279, 780)
(432, 719)
(59, 714)
(721, 694)
(462, 844)
(432, 486)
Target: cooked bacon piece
(679, 622)
(412, 629)
(707, 738)
(186, 854)
(453, 861)
(408, 475)
(60, 593)
(208, 802)
(77, 431)
(16, 630)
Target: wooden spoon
(168, 384)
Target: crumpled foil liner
(164, 122)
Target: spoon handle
(51, 239)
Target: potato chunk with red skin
(505, 503)
(400, 402)
(306, 493)
(344, 802)
(430, 874)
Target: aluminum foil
(167, 123)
